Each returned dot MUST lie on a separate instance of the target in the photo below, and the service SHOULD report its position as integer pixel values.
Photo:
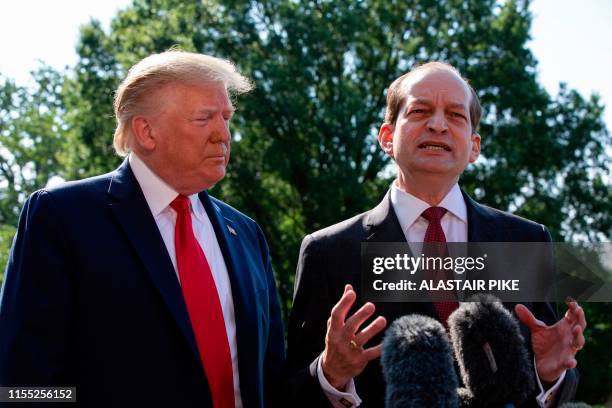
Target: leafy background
(304, 151)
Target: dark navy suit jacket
(330, 258)
(91, 300)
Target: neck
(429, 188)
(159, 169)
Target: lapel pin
(232, 231)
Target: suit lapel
(243, 295)
(480, 226)
(132, 212)
(382, 225)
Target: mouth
(217, 158)
(435, 146)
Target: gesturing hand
(555, 346)
(344, 356)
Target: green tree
(595, 360)
(305, 140)
(89, 104)
(33, 144)
(305, 149)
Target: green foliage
(31, 139)
(7, 232)
(305, 139)
(305, 152)
(595, 360)
(89, 104)
(34, 145)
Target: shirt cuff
(339, 399)
(546, 399)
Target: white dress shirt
(408, 209)
(159, 195)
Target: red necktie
(204, 307)
(435, 233)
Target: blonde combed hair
(134, 95)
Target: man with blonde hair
(137, 287)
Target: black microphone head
(417, 364)
(491, 353)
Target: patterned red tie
(204, 307)
(435, 233)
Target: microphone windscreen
(417, 364)
(491, 353)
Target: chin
(213, 178)
(437, 168)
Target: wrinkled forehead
(436, 83)
(191, 96)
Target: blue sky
(571, 40)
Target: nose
(437, 122)
(220, 131)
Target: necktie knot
(180, 204)
(434, 214)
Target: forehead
(436, 85)
(198, 95)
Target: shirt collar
(157, 192)
(409, 208)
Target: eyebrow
(457, 105)
(230, 109)
(421, 101)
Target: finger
(575, 315)
(372, 330)
(355, 321)
(578, 340)
(571, 306)
(528, 319)
(579, 316)
(340, 309)
(372, 353)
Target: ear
(475, 147)
(385, 138)
(141, 130)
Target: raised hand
(344, 356)
(555, 346)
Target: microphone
(417, 364)
(493, 360)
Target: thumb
(527, 318)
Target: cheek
(404, 138)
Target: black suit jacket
(91, 299)
(330, 258)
